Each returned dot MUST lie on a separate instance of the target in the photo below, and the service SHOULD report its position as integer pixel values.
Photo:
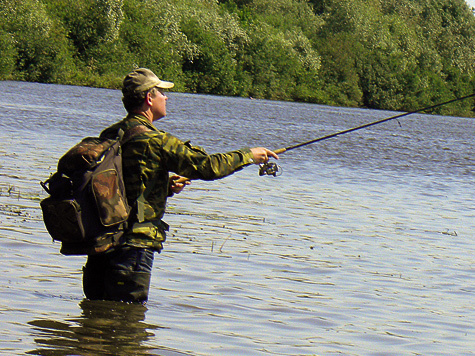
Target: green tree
(404, 53)
(8, 55)
(89, 22)
(39, 47)
(339, 71)
(393, 54)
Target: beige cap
(143, 79)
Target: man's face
(159, 104)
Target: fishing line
(271, 168)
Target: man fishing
(124, 273)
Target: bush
(396, 54)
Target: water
(363, 246)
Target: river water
(363, 246)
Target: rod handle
(280, 150)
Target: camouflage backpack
(87, 210)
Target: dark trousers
(121, 275)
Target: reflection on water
(105, 328)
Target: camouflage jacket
(148, 158)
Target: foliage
(402, 52)
(387, 54)
(35, 47)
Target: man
(124, 273)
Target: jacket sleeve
(193, 162)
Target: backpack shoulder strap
(131, 133)
(125, 137)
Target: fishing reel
(270, 169)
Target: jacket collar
(141, 119)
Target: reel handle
(269, 169)
(182, 180)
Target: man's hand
(261, 155)
(177, 183)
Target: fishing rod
(271, 168)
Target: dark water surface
(363, 246)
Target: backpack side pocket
(62, 219)
(110, 199)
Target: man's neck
(147, 114)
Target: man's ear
(148, 99)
